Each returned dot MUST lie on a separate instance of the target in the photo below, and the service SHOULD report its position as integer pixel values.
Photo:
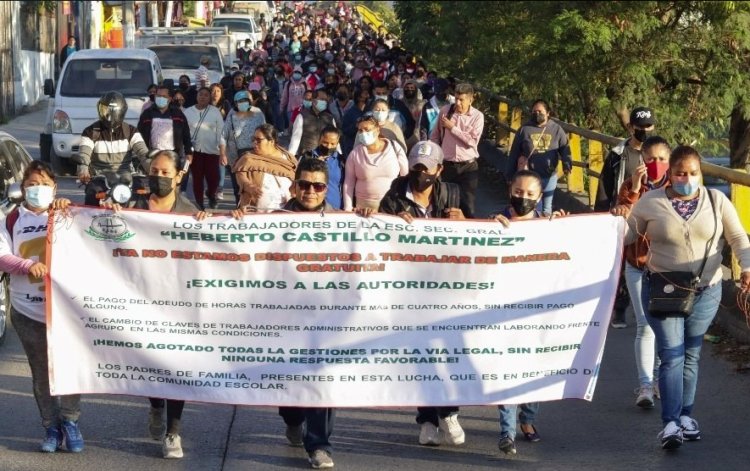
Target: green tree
(594, 61)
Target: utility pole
(154, 14)
(128, 23)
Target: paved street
(609, 433)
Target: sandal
(531, 436)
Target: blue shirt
(335, 179)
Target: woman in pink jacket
(372, 166)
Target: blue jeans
(646, 362)
(678, 343)
(508, 415)
(319, 427)
(548, 193)
(223, 169)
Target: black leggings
(174, 412)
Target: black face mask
(641, 135)
(421, 181)
(522, 206)
(538, 118)
(325, 151)
(441, 96)
(160, 186)
(410, 94)
(342, 96)
(152, 97)
(184, 86)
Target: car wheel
(61, 166)
(4, 310)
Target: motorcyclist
(111, 146)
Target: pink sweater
(369, 176)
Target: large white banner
(329, 310)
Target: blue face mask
(321, 105)
(307, 104)
(40, 196)
(296, 76)
(161, 102)
(243, 106)
(687, 188)
(313, 69)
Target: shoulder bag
(672, 294)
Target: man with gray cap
(421, 194)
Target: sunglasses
(305, 185)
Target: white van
(241, 26)
(85, 77)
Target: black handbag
(673, 293)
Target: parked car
(85, 77)
(13, 161)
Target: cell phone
(186, 166)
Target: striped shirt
(106, 150)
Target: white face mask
(40, 196)
(367, 138)
(380, 116)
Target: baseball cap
(298, 68)
(642, 117)
(426, 153)
(241, 95)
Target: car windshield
(187, 57)
(234, 26)
(94, 77)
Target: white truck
(241, 26)
(180, 50)
(85, 77)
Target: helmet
(112, 108)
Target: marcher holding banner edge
(310, 187)
(684, 224)
(22, 254)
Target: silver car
(13, 161)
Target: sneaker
(172, 446)
(645, 399)
(212, 203)
(428, 435)
(320, 459)
(220, 195)
(53, 439)
(73, 437)
(507, 445)
(451, 431)
(671, 436)
(156, 425)
(689, 428)
(294, 434)
(618, 320)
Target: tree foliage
(594, 61)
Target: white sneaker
(690, 429)
(172, 446)
(645, 398)
(450, 430)
(428, 435)
(671, 436)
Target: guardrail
(505, 117)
